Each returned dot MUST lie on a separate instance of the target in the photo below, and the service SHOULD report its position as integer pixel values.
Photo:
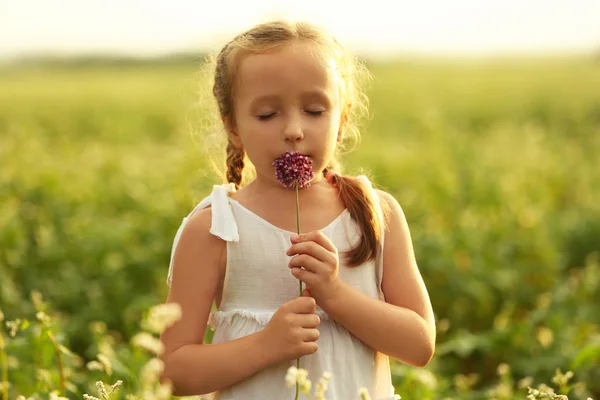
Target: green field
(496, 164)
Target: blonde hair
(221, 70)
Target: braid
(235, 164)
(361, 205)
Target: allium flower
(293, 169)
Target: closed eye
(265, 117)
(314, 113)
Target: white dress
(258, 281)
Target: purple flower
(292, 169)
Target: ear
(232, 132)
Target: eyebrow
(310, 94)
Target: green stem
(298, 225)
(298, 231)
(61, 371)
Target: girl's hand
(316, 263)
(292, 332)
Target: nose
(293, 131)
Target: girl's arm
(403, 327)
(193, 367)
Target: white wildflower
(148, 342)
(322, 386)
(115, 387)
(88, 397)
(305, 386)
(290, 377)
(13, 326)
(55, 396)
(525, 382)
(302, 377)
(95, 366)
(299, 376)
(164, 391)
(43, 317)
(106, 363)
(503, 369)
(161, 317)
(152, 370)
(102, 389)
(562, 379)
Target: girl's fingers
(317, 237)
(308, 262)
(306, 276)
(311, 248)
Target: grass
(494, 163)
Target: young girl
(289, 87)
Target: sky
(370, 27)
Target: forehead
(285, 71)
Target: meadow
(495, 163)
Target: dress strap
(223, 222)
(379, 260)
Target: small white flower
(43, 317)
(148, 342)
(95, 366)
(54, 396)
(525, 382)
(503, 369)
(115, 387)
(13, 326)
(161, 317)
(152, 370)
(164, 392)
(290, 377)
(102, 389)
(305, 386)
(106, 362)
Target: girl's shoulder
(210, 220)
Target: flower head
(293, 169)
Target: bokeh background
(485, 125)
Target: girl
(289, 87)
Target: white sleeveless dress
(258, 281)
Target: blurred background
(485, 125)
